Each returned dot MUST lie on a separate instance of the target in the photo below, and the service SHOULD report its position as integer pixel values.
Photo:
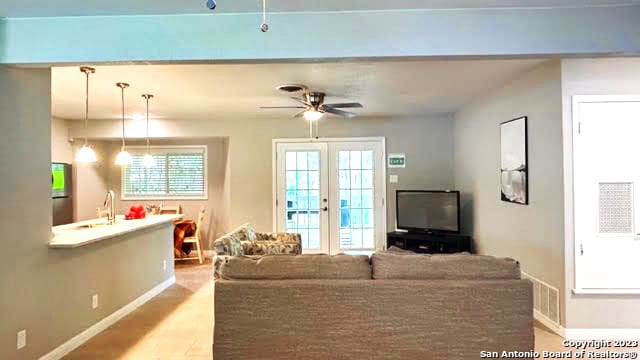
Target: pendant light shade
(147, 160)
(123, 158)
(86, 154)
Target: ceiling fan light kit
(313, 115)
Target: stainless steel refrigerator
(62, 193)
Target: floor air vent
(546, 300)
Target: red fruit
(139, 208)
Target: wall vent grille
(546, 299)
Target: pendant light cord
(86, 112)
(264, 11)
(147, 97)
(123, 144)
(147, 125)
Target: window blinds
(178, 172)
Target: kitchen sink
(89, 226)
(82, 227)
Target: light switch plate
(22, 339)
(94, 301)
(393, 179)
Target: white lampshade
(147, 161)
(123, 158)
(312, 115)
(86, 155)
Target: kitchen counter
(90, 231)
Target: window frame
(164, 149)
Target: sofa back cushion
(388, 265)
(229, 244)
(288, 267)
(246, 232)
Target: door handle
(325, 208)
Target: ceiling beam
(322, 35)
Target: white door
(607, 193)
(332, 193)
(302, 193)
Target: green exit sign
(396, 161)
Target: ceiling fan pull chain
(264, 27)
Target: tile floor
(177, 324)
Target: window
(178, 173)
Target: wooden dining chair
(170, 209)
(196, 238)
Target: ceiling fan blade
(282, 107)
(330, 110)
(345, 105)
(302, 101)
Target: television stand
(432, 243)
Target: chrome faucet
(109, 203)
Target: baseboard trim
(607, 334)
(103, 324)
(559, 330)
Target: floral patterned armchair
(246, 241)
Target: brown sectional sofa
(390, 307)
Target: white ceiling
(210, 91)
(37, 8)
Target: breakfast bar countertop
(90, 231)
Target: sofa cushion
(389, 265)
(286, 267)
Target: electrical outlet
(393, 179)
(164, 265)
(94, 301)
(22, 339)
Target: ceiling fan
(312, 104)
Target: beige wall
(61, 149)
(531, 234)
(91, 181)
(427, 142)
(594, 77)
(46, 291)
(94, 180)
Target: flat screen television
(428, 210)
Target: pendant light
(147, 160)
(86, 153)
(123, 158)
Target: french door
(606, 192)
(332, 193)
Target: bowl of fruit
(136, 212)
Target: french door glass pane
(355, 186)
(303, 196)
